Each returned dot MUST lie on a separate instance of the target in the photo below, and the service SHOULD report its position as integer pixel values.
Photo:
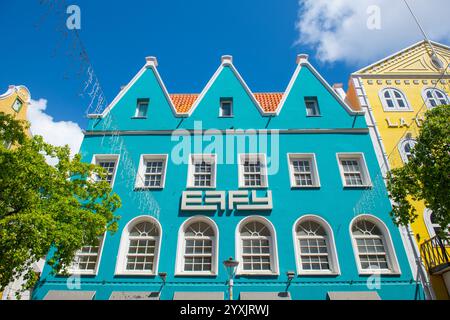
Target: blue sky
(188, 38)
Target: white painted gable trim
(302, 61)
(362, 70)
(151, 64)
(227, 62)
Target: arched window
(256, 247)
(393, 100)
(405, 147)
(139, 247)
(314, 244)
(197, 247)
(434, 97)
(373, 246)
(432, 226)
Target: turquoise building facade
(287, 184)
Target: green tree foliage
(44, 208)
(427, 175)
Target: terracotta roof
(183, 102)
(268, 100)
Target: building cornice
(184, 132)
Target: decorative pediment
(414, 60)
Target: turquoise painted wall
(331, 201)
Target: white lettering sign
(213, 200)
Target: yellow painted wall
(9, 97)
(392, 125)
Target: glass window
(226, 108)
(394, 100)
(202, 171)
(17, 105)
(312, 106)
(313, 244)
(86, 259)
(370, 246)
(303, 170)
(353, 170)
(252, 171)
(435, 97)
(142, 108)
(199, 251)
(142, 247)
(256, 243)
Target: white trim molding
(330, 243)
(313, 169)
(210, 159)
(391, 256)
(72, 271)
(364, 171)
(140, 176)
(96, 158)
(124, 246)
(394, 100)
(434, 96)
(261, 157)
(181, 247)
(272, 240)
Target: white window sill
(379, 272)
(257, 273)
(364, 186)
(80, 273)
(201, 187)
(318, 273)
(407, 110)
(135, 273)
(196, 274)
(253, 187)
(148, 188)
(306, 187)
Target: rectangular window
(354, 171)
(312, 107)
(151, 171)
(141, 108)
(314, 253)
(198, 254)
(17, 105)
(252, 171)
(86, 259)
(256, 254)
(226, 108)
(303, 170)
(202, 171)
(109, 163)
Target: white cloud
(338, 30)
(57, 133)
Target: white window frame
(107, 157)
(191, 170)
(262, 159)
(181, 247)
(401, 148)
(125, 243)
(273, 248)
(138, 104)
(140, 176)
(367, 183)
(433, 93)
(316, 106)
(222, 102)
(94, 272)
(333, 260)
(311, 157)
(14, 104)
(391, 256)
(396, 107)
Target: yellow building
(395, 92)
(15, 101)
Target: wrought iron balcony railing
(436, 254)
